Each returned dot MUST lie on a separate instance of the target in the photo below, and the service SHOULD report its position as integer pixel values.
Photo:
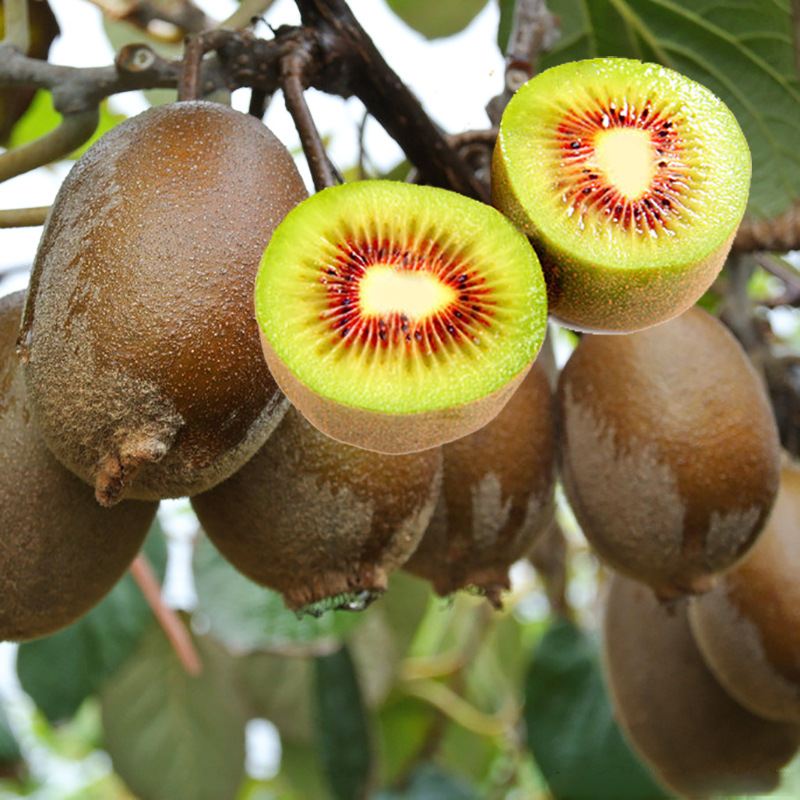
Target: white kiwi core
(627, 157)
(386, 290)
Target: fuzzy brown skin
(497, 495)
(670, 450)
(60, 552)
(141, 347)
(748, 626)
(320, 521)
(698, 739)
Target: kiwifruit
(397, 317)
(670, 453)
(141, 350)
(60, 552)
(320, 521)
(700, 742)
(630, 180)
(748, 626)
(497, 495)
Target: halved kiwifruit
(630, 180)
(398, 317)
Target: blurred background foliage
(418, 697)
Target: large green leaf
(10, 753)
(742, 51)
(247, 617)
(571, 729)
(342, 728)
(172, 736)
(438, 19)
(60, 671)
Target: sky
(453, 84)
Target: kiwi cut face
(397, 317)
(630, 179)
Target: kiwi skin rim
(392, 434)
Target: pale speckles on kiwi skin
(668, 431)
(60, 552)
(315, 519)
(497, 495)
(747, 627)
(145, 270)
(701, 743)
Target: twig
(74, 130)
(292, 73)
(17, 25)
(23, 217)
(796, 34)
(784, 272)
(169, 620)
(534, 30)
(189, 86)
(348, 63)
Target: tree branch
(74, 130)
(292, 72)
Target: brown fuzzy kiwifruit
(60, 552)
(497, 495)
(700, 742)
(320, 521)
(141, 351)
(670, 453)
(748, 625)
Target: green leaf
(342, 730)
(571, 729)
(741, 51)
(439, 19)
(60, 671)
(41, 118)
(10, 754)
(247, 617)
(279, 688)
(171, 735)
(429, 782)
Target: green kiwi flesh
(60, 552)
(700, 742)
(320, 521)
(397, 317)
(630, 180)
(498, 495)
(748, 626)
(141, 350)
(669, 450)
